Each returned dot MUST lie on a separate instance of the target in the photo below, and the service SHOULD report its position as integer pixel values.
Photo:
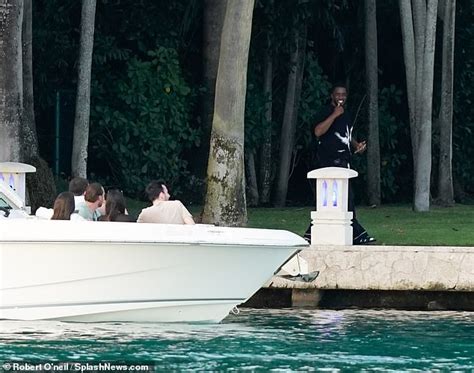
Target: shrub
(141, 127)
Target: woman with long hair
(115, 209)
(63, 206)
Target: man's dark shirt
(334, 148)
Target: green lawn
(391, 224)
(399, 225)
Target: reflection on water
(258, 339)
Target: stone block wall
(424, 268)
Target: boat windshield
(3, 203)
(9, 198)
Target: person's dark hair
(78, 185)
(114, 205)
(338, 85)
(93, 192)
(154, 189)
(63, 206)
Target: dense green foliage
(147, 76)
(141, 122)
(256, 124)
(395, 156)
(316, 89)
(463, 97)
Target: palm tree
(225, 202)
(371, 67)
(445, 170)
(419, 35)
(81, 120)
(11, 79)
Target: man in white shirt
(77, 186)
(163, 210)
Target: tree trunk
(371, 67)
(266, 148)
(214, 13)
(252, 187)
(29, 139)
(299, 88)
(408, 37)
(423, 164)
(225, 197)
(11, 85)
(81, 120)
(445, 169)
(289, 121)
(419, 52)
(41, 189)
(419, 24)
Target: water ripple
(277, 340)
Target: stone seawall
(429, 268)
(403, 277)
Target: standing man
(163, 210)
(334, 133)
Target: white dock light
(14, 175)
(331, 222)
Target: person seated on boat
(101, 209)
(78, 186)
(64, 207)
(115, 208)
(163, 210)
(93, 199)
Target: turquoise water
(259, 340)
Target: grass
(390, 224)
(399, 225)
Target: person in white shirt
(77, 186)
(64, 207)
(163, 211)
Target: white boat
(110, 271)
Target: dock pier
(402, 277)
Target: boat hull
(124, 280)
